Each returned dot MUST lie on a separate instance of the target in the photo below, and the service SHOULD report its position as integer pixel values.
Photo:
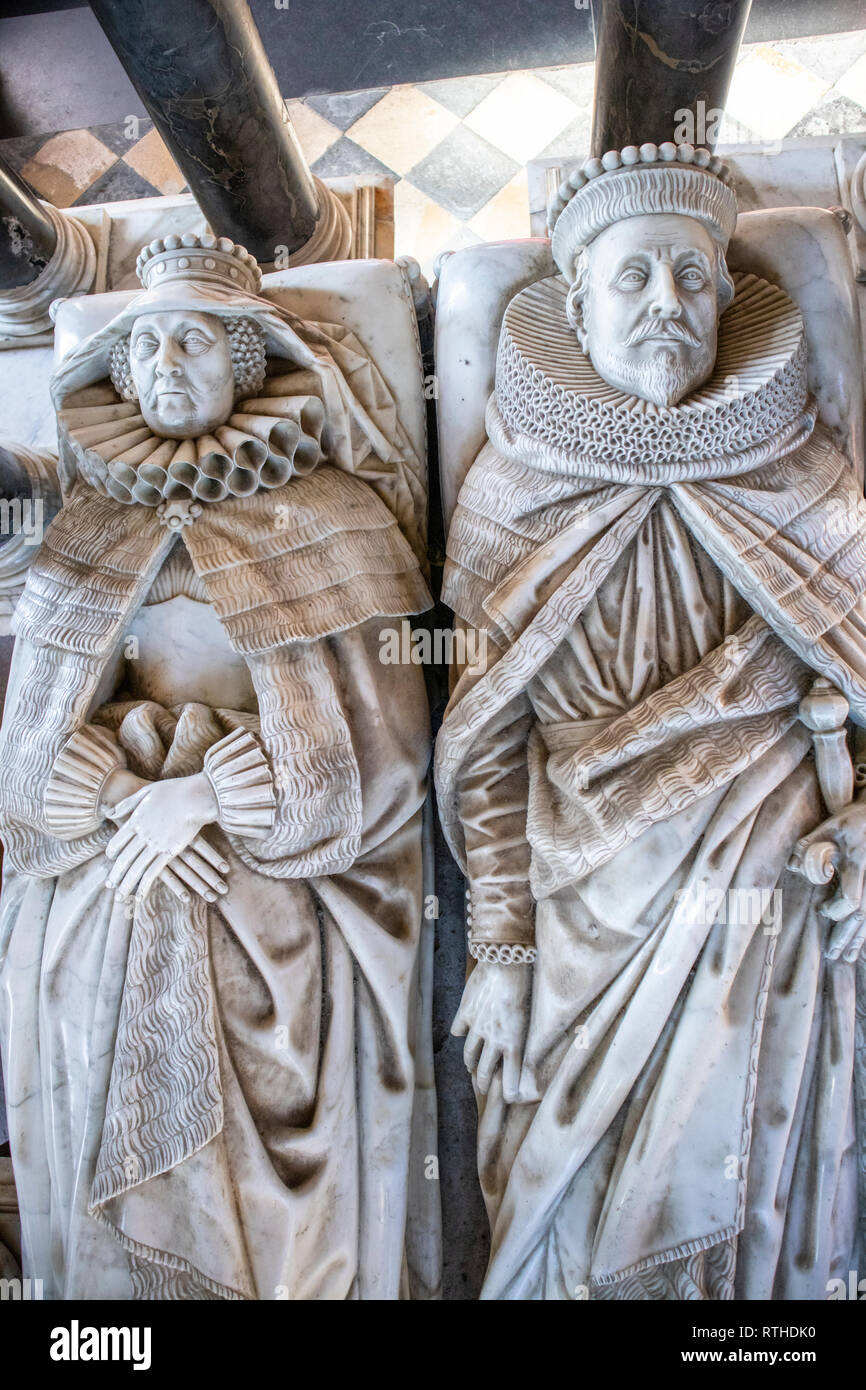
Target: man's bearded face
(650, 311)
(182, 370)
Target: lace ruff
(548, 391)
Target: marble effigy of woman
(210, 802)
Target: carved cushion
(802, 249)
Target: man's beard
(664, 378)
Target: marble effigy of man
(210, 801)
(665, 551)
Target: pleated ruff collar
(552, 407)
(266, 441)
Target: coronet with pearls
(206, 258)
(635, 181)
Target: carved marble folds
(211, 802)
(664, 547)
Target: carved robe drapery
(658, 589)
(219, 1100)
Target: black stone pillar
(27, 236)
(657, 58)
(202, 73)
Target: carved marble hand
(494, 1016)
(162, 821)
(847, 831)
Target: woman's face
(182, 369)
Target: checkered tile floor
(457, 149)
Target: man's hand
(847, 832)
(160, 839)
(494, 1014)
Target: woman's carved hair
(247, 348)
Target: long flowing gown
(624, 780)
(640, 1015)
(304, 1193)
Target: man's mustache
(662, 328)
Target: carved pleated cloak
(658, 590)
(225, 1100)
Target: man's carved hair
(247, 348)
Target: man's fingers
(844, 935)
(462, 1020)
(213, 856)
(850, 894)
(852, 874)
(490, 1056)
(510, 1076)
(855, 945)
(529, 1090)
(472, 1050)
(838, 908)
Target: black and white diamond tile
(457, 148)
(463, 172)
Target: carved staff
(824, 711)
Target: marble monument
(211, 800)
(649, 782)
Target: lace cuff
(501, 952)
(80, 771)
(244, 788)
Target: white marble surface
(288, 1053)
(806, 252)
(474, 287)
(655, 985)
(476, 284)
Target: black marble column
(27, 236)
(203, 75)
(658, 58)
